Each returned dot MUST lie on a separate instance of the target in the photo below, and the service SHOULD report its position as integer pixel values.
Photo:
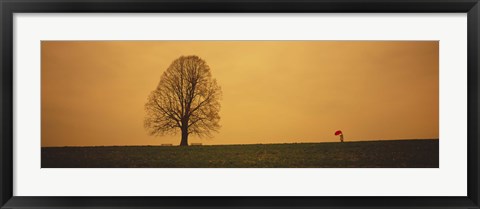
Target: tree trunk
(184, 141)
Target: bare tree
(186, 99)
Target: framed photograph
(239, 104)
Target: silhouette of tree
(186, 99)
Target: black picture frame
(9, 7)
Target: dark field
(367, 154)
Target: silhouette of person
(339, 133)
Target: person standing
(339, 133)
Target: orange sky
(93, 92)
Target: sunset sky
(94, 92)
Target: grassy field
(367, 154)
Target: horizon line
(175, 145)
